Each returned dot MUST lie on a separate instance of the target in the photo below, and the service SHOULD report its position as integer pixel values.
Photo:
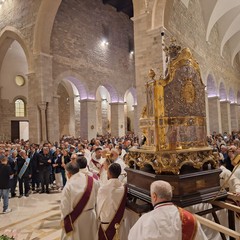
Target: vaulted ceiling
(225, 14)
(125, 6)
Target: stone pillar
(136, 120)
(234, 116)
(71, 106)
(117, 119)
(225, 116)
(88, 119)
(33, 110)
(53, 120)
(42, 107)
(214, 115)
(207, 114)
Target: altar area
(174, 146)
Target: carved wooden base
(171, 161)
(188, 189)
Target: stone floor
(32, 218)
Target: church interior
(87, 68)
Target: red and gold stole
(189, 224)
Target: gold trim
(172, 161)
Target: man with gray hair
(166, 221)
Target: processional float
(175, 149)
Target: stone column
(214, 114)
(53, 120)
(33, 110)
(136, 120)
(117, 119)
(234, 116)
(225, 116)
(88, 119)
(40, 92)
(42, 106)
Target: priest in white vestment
(96, 161)
(85, 227)
(233, 186)
(109, 198)
(164, 221)
(116, 159)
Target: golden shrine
(173, 124)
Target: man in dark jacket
(5, 172)
(34, 156)
(24, 172)
(45, 160)
(12, 161)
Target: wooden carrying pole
(218, 227)
(228, 206)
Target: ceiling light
(105, 42)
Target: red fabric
(71, 217)
(96, 163)
(189, 224)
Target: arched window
(19, 108)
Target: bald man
(166, 221)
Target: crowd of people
(99, 166)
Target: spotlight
(132, 52)
(104, 42)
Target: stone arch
(44, 25)
(129, 101)
(75, 79)
(7, 36)
(231, 95)
(222, 92)
(104, 93)
(113, 92)
(211, 86)
(133, 91)
(160, 13)
(21, 97)
(68, 108)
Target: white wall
(14, 63)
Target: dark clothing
(43, 161)
(35, 170)
(20, 162)
(45, 170)
(13, 164)
(23, 181)
(34, 161)
(5, 172)
(57, 160)
(228, 164)
(62, 160)
(65, 160)
(45, 179)
(13, 185)
(25, 177)
(13, 181)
